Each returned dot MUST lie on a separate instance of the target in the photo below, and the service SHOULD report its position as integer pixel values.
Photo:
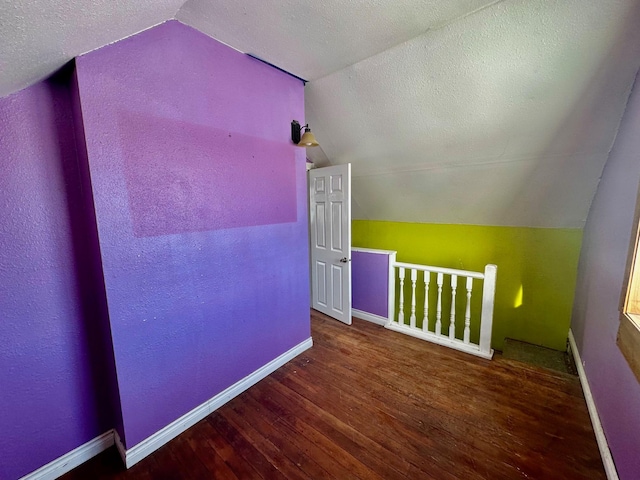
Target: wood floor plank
(252, 449)
(287, 453)
(238, 465)
(504, 418)
(344, 435)
(369, 403)
(403, 421)
(167, 466)
(215, 465)
(375, 425)
(381, 397)
(302, 438)
(350, 467)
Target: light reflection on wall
(519, 296)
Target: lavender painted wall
(54, 366)
(177, 122)
(369, 282)
(600, 280)
(90, 276)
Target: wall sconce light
(307, 139)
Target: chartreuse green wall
(537, 269)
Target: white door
(330, 204)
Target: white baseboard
(71, 460)
(369, 317)
(168, 433)
(119, 445)
(603, 445)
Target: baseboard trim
(71, 460)
(151, 444)
(603, 445)
(369, 317)
(119, 445)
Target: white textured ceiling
(39, 36)
(504, 117)
(467, 111)
(314, 38)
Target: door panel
(337, 273)
(330, 216)
(321, 241)
(336, 224)
(321, 281)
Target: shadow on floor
(539, 356)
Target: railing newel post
(486, 318)
(391, 289)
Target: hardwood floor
(366, 402)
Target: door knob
(344, 260)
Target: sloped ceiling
(467, 111)
(39, 36)
(314, 39)
(504, 117)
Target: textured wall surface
(53, 377)
(90, 276)
(370, 287)
(600, 281)
(171, 179)
(536, 269)
(194, 309)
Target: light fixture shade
(307, 139)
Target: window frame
(628, 339)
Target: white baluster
(439, 306)
(467, 313)
(401, 311)
(412, 318)
(425, 320)
(452, 321)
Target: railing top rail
(446, 271)
(373, 250)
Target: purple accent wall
(174, 169)
(55, 367)
(369, 282)
(90, 276)
(204, 240)
(600, 281)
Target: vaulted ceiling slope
(308, 38)
(494, 112)
(504, 117)
(39, 36)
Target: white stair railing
(484, 316)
